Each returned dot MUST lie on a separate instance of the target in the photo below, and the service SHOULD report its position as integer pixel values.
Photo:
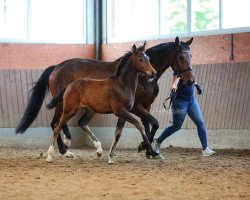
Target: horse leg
(144, 114)
(56, 118)
(124, 114)
(120, 124)
(61, 146)
(85, 119)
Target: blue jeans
(180, 108)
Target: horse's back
(86, 68)
(73, 69)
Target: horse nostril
(153, 75)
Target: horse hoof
(69, 154)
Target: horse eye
(140, 59)
(181, 57)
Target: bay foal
(115, 94)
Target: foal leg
(128, 117)
(66, 136)
(144, 114)
(120, 124)
(85, 119)
(146, 126)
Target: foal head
(182, 62)
(141, 61)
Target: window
(235, 14)
(155, 19)
(13, 19)
(129, 19)
(205, 15)
(59, 21)
(65, 21)
(173, 16)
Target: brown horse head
(182, 61)
(141, 61)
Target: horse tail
(35, 101)
(56, 99)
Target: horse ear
(134, 49)
(144, 45)
(177, 41)
(189, 41)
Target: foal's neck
(129, 77)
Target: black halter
(180, 72)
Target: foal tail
(35, 101)
(56, 99)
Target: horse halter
(180, 72)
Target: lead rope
(171, 97)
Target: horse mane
(123, 61)
(159, 51)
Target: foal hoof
(148, 155)
(98, 147)
(110, 161)
(69, 154)
(99, 154)
(49, 160)
(154, 154)
(141, 147)
(66, 142)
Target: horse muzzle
(152, 76)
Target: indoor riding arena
(124, 99)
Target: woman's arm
(175, 81)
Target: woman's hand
(198, 87)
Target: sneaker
(156, 146)
(208, 152)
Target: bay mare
(115, 94)
(175, 54)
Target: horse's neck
(129, 77)
(162, 65)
